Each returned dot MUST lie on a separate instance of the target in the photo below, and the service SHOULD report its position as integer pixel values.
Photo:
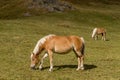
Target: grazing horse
(98, 31)
(58, 44)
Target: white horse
(98, 31)
(58, 44)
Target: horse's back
(61, 44)
(64, 43)
(101, 30)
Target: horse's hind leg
(41, 63)
(104, 36)
(80, 60)
(80, 63)
(80, 55)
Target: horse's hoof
(40, 68)
(77, 69)
(82, 68)
(50, 70)
(33, 68)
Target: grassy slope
(11, 9)
(19, 36)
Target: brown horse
(58, 44)
(98, 31)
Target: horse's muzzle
(32, 67)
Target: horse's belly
(62, 49)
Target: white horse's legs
(104, 37)
(96, 37)
(40, 67)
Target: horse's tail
(83, 46)
(94, 32)
(82, 39)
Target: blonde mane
(40, 42)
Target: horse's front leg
(41, 62)
(51, 59)
(104, 36)
(96, 37)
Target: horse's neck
(40, 43)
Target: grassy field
(18, 37)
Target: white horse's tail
(94, 32)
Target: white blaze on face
(94, 32)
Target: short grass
(102, 58)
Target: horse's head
(34, 60)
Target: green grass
(18, 37)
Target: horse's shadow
(86, 66)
